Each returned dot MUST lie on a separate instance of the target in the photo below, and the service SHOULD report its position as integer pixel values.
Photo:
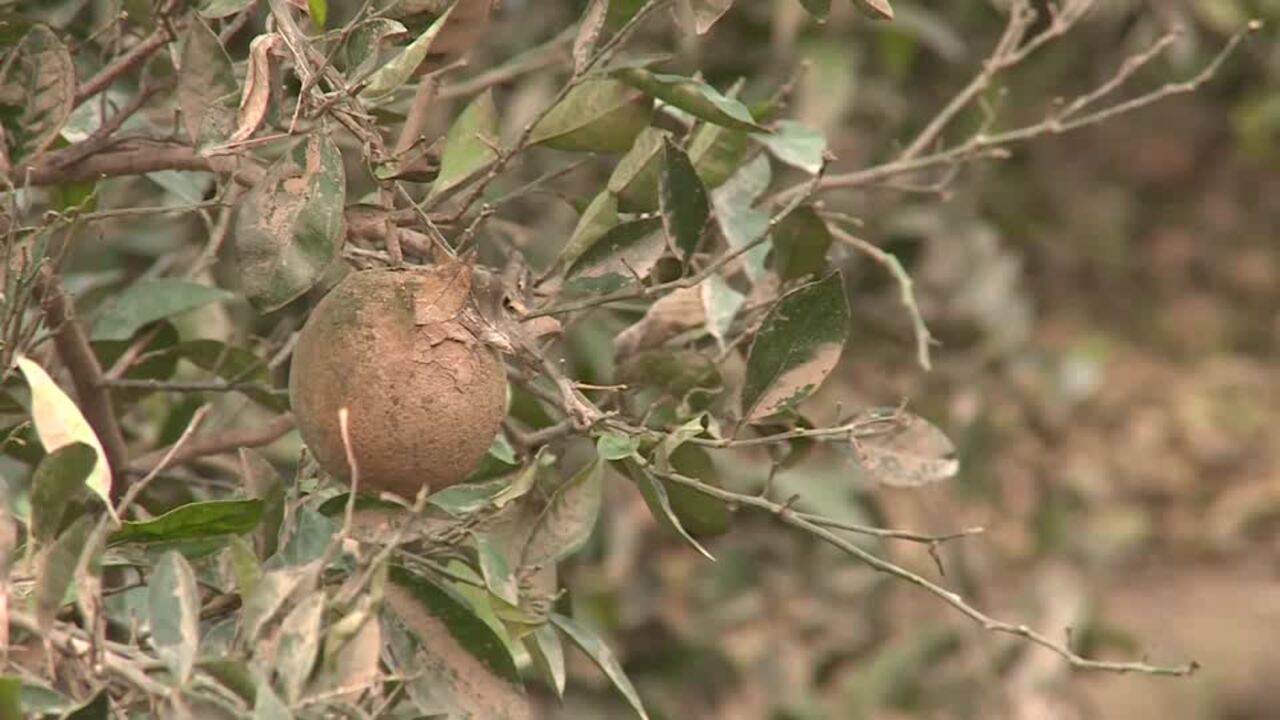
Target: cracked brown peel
(399, 350)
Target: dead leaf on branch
(909, 452)
(257, 86)
(671, 315)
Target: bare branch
(213, 444)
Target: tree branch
(215, 443)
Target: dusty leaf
(173, 602)
(693, 96)
(797, 346)
(740, 221)
(37, 93)
(598, 115)
(370, 45)
(568, 519)
(720, 305)
(59, 423)
(208, 93)
(584, 44)
(635, 178)
(58, 480)
(683, 200)
(55, 567)
(705, 13)
(613, 261)
(878, 9)
(601, 655)
(496, 571)
(672, 314)
(470, 143)
(616, 446)
(256, 96)
(797, 145)
(262, 482)
(267, 705)
(398, 70)
(545, 648)
(289, 225)
(459, 665)
(906, 451)
(275, 591)
(352, 647)
(800, 244)
(599, 217)
(659, 502)
(147, 301)
(298, 645)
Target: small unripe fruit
(399, 349)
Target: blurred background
(1108, 309)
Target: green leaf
(656, 497)
(311, 535)
(717, 153)
(58, 481)
(210, 518)
(683, 200)
(877, 9)
(299, 645)
(37, 93)
(566, 523)
(459, 621)
(208, 93)
(692, 96)
(458, 500)
(797, 346)
(147, 301)
(635, 178)
(739, 221)
(797, 145)
(10, 697)
(496, 571)
(470, 144)
(499, 461)
(267, 705)
(174, 605)
(598, 115)
(594, 647)
(599, 217)
(319, 11)
(234, 364)
(221, 8)
(97, 707)
(817, 8)
(614, 446)
(525, 481)
(702, 514)
(55, 567)
(289, 225)
(400, 69)
(245, 568)
(548, 655)
(262, 482)
(800, 244)
(613, 260)
(59, 423)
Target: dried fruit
(402, 350)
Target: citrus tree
(502, 267)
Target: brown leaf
(257, 86)
(466, 27)
(910, 452)
(584, 44)
(669, 316)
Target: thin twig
(214, 444)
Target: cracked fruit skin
(424, 400)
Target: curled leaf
(692, 96)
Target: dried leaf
(257, 86)
(289, 225)
(878, 9)
(174, 604)
(37, 93)
(720, 306)
(909, 452)
(298, 645)
(59, 423)
(672, 314)
(797, 346)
